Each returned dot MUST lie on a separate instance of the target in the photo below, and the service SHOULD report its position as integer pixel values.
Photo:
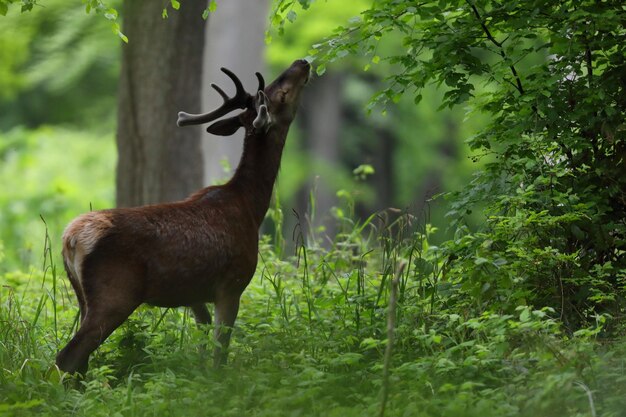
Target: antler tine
(261, 81)
(238, 101)
(220, 91)
(240, 90)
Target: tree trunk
(321, 125)
(380, 154)
(161, 75)
(235, 40)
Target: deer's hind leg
(74, 280)
(98, 324)
(201, 314)
(108, 302)
(203, 320)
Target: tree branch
(482, 24)
(518, 81)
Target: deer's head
(272, 107)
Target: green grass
(310, 341)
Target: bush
(54, 174)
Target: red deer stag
(187, 253)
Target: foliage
(99, 6)
(296, 42)
(417, 151)
(61, 69)
(554, 185)
(109, 13)
(310, 340)
(26, 5)
(39, 182)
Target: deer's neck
(256, 174)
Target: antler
(238, 101)
(261, 81)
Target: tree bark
(160, 75)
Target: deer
(200, 250)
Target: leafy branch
(499, 45)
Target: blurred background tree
(161, 74)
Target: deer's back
(176, 254)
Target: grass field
(310, 340)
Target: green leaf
(348, 358)
(110, 14)
(291, 16)
(276, 20)
(116, 29)
(525, 315)
(479, 261)
(175, 4)
(320, 70)
(370, 343)
(362, 171)
(212, 6)
(342, 53)
(3, 9)
(305, 3)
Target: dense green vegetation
(40, 183)
(551, 76)
(310, 341)
(511, 306)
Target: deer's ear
(263, 119)
(225, 127)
